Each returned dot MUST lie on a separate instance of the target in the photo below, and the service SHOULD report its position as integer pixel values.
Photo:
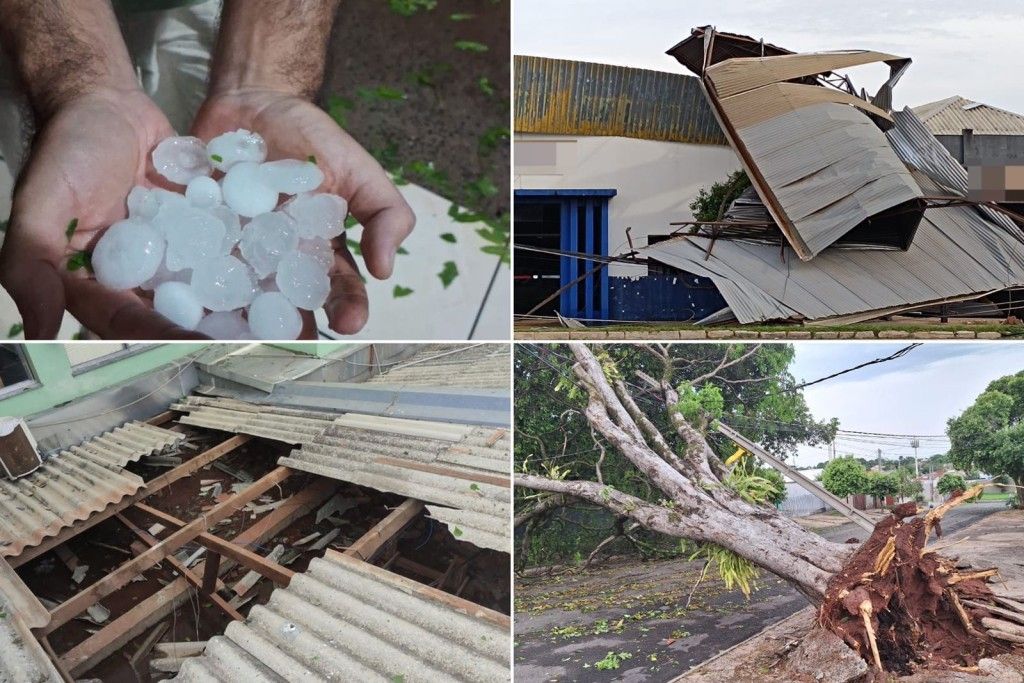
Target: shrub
(951, 482)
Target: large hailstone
(128, 254)
(302, 279)
(318, 215)
(320, 249)
(223, 283)
(224, 151)
(245, 191)
(232, 227)
(203, 192)
(225, 325)
(291, 176)
(266, 239)
(192, 235)
(177, 302)
(272, 316)
(181, 159)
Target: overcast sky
(971, 49)
(914, 394)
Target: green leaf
(398, 678)
(350, 221)
(70, 230)
(470, 46)
(79, 260)
(381, 92)
(474, 487)
(491, 138)
(456, 531)
(338, 108)
(407, 8)
(485, 86)
(311, 158)
(448, 273)
(216, 157)
(402, 251)
(461, 16)
(400, 291)
(16, 329)
(448, 237)
(354, 247)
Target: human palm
(295, 128)
(84, 161)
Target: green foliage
(950, 482)
(989, 435)
(551, 428)
(735, 571)
(448, 273)
(845, 477)
(883, 484)
(612, 661)
(407, 8)
(756, 485)
(696, 405)
(710, 205)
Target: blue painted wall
(677, 297)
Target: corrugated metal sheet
(345, 620)
(22, 658)
(950, 117)
(289, 425)
(562, 97)
(453, 474)
(819, 161)
(75, 483)
(486, 366)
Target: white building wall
(656, 181)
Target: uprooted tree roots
(903, 606)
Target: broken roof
(74, 484)
(959, 253)
(344, 617)
(815, 151)
(953, 114)
(451, 365)
(22, 658)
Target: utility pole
(879, 459)
(915, 443)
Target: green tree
(989, 435)
(951, 482)
(748, 387)
(845, 477)
(883, 484)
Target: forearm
(64, 48)
(272, 45)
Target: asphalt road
(635, 609)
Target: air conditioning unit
(19, 454)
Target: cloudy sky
(914, 394)
(959, 48)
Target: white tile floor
(430, 312)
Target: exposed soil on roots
(903, 606)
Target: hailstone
(177, 302)
(291, 176)
(128, 254)
(266, 239)
(223, 283)
(301, 279)
(224, 151)
(181, 159)
(245, 192)
(272, 316)
(318, 215)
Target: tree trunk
(891, 599)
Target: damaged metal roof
(74, 484)
(452, 365)
(563, 97)
(289, 425)
(346, 620)
(469, 474)
(817, 155)
(953, 114)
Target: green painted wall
(57, 385)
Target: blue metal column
(588, 307)
(603, 250)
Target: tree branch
(725, 364)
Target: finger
(386, 217)
(309, 330)
(37, 290)
(119, 315)
(347, 306)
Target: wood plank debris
(246, 583)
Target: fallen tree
(896, 601)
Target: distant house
(973, 131)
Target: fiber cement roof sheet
(345, 620)
(22, 658)
(74, 484)
(485, 366)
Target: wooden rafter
(115, 635)
(153, 486)
(121, 576)
(370, 543)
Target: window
(575, 223)
(15, 371)
(86, 357)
